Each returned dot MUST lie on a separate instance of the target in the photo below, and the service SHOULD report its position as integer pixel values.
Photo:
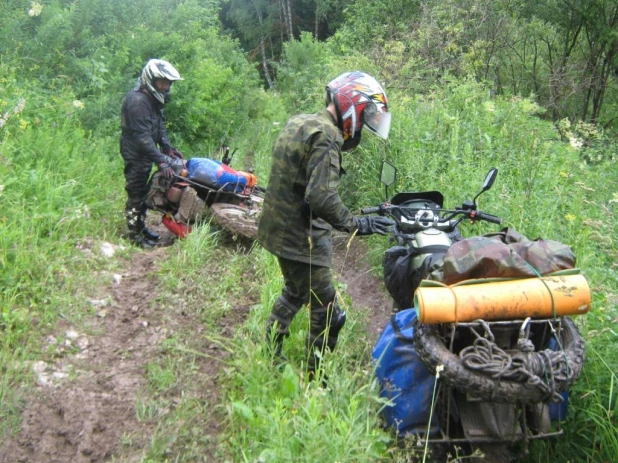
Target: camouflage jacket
(302, 203)
(143, 129)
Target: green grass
(63, 194)
(276, 415)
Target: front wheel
(240, 220)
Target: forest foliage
(528, 86)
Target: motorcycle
(233, 197)
(481, 359)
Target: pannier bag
(403, 378)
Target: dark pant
(305, 283)
(137, 184)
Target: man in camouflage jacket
(144, 141)
(302, 206)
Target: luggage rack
(211, 195)
(488, 415)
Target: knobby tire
(432, 351)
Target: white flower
(36, 9)
(19, 107)
(78, 104)
(576, 143)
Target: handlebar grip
(370, 210)
(488, 218)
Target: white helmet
(158, 69)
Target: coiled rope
(543, 369)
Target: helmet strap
(352, 142)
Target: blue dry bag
(215, 174)
(403, 377)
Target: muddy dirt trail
(83, 405)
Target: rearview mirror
(489, 180)
(388, 174)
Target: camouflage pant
(304, 284)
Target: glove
(373, 224)
(173, 152)
(166, 170)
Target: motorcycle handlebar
(449, 219)
(370, 210)
(488, 218)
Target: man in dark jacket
(302, 206)
(144, 141)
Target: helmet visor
(377, 120)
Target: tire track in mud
(366, 290)
(84, 403)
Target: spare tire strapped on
(433, 352)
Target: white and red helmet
(359, 101)
(158, 69)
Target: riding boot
(278, 325)
(135, 226)
(150, 234)
(145, 231)
(325, 325)
(141, 241)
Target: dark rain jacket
(304, 178)
(143, 129)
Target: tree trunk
(267, 76)
(284, 9)
(317, 22)
(603, 77)
(269, 79)
(290, 28)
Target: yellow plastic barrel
(502, 300)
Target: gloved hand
(166, 170)
(373, 224)
(173, 152)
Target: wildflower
(35, 10)
(80, 213)
(19, 107)
(78, 104)
(576, 143)
(23, 124)
(564, 174)
(570, 217)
